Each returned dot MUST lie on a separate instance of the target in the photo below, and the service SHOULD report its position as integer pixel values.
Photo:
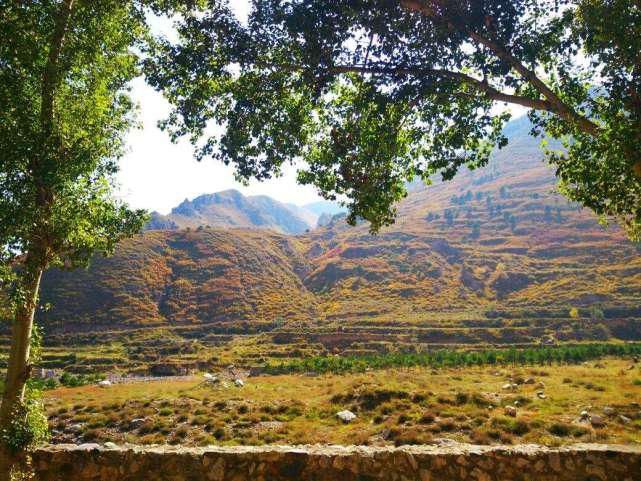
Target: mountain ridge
(499, 239)
(231, 209)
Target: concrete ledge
(452, 462)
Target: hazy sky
(158, 175)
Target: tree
(64, 70)
(371, 94)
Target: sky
(156, 174)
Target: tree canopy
(65, 111)
(371, 94)
(65, 66)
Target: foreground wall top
(451, 462)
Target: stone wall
(92, 462)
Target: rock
(584, 415)
(609, 411)
(541, 395)
(136, 423)
(624, 419)
(89, 446)
(597, 421)
(110, 445)
(529, 380)
(346, 416)
(104, 383)
(210, 378)
(74, 428)
(239, 382)
(510, 411)
(510, 386)
(541, 385)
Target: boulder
(510, 411)
(104, 383)
(529, 380)
(609, 411)
(584, 415)
(346, 416)
(624, 419)
(74, 428)
(239, 382)
(541, 395)
(597, 421)
(137, 422)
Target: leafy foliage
(371, 94)
(61, 133)
(28, 427)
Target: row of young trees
(536, 356)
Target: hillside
(184, 277)
(492, 257)
(229, 209)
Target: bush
(560, 429)
(29, 426)
(512, 426)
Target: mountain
(232, 209)
(494, 256)
(328, 207)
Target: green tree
(374, 93)
(64, 70)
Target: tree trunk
(18, 367)
(37, 256)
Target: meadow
(487, 404)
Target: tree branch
(51, 74)
(557, 105)
(483, 87)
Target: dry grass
(393, 407)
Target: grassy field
(393, 406)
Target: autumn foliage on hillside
(493, 256)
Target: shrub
(427, 418)
(462, 398)
(29, 426)
(512, 426)
(560, 429)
